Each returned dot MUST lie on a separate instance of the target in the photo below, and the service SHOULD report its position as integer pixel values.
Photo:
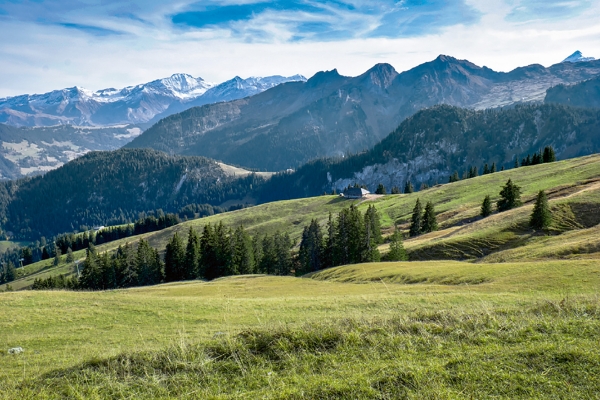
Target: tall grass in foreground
(549, 350)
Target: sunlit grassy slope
(573, 187)
(384, 330)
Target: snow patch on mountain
(577, 57)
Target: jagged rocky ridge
(331, 115)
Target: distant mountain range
(332, 115)
(143, 103)
(578, 57)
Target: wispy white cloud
(53, 44)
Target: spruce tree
(510, 197)
(329, 256)
(45, 254)
(517, 162)
(416, 220)
(493, 168)
(397, 251)
(70, 257)
(380, 189)
(372, 236)
(541, 218)
(549, 155)
(429, 223)
(486, 207)
(243, 254)
(175, 260)
(10, 274)
(311, 249)
(57, 257)
(486, 169)
(408, 188)
(191, 268)
(454, 177)
(395, 190)
(356, 230)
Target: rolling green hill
(573, 187)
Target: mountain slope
(583, 94)
(131, 105)
(429, 146)
(113, 187)
(25, 151)
(330, 115)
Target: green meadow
(486, 308)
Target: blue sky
(113, 43)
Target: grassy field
(385, 330)
(519, 318)
(573, 187)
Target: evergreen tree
(45, 254)
(541, 218)
(342, 240)
(56, 261)
(397, 251)
(510, 197)
(311, 249)
(356, 229)
(268, 261)
(372, 236)
(70, 257)
(91, 275)
(283, 258)
(243, 254)
(486, 207)
(408, 187)
(208, 253)
(148, 265)
(493, 168)
(486, 169)
(27, 256)
(380, 189)
(10, 274)
(395, 190)
(192, 268)
(175, 260)
(329, 255)
(416, 220)
(549, 155)
(257, 251)
(429, 223)
(517, 162)
(454, 177)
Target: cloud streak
(114, 43)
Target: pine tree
(311, 249)
(356, 229)
(70, 256)
(208, 253)
(395, 190)
(517, 162)
(549, 155)
(45, 254)
(192, 268)
(541, 218)
(510, 197)
(416, 220)
(408, 187)
(493, 168)
(397, 251)
(380, 189)
(175, 260)
(486, 169)
(10, 274)
(269, 258)
(486, 207)
(372, 236)
(429, 223)
(91, 275)
(329, 256)
(148, 264)
(57, 257)
(454, 177)
(283, 257)
(243, 254)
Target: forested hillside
(104, 188)
(583, 94)
(433, 144)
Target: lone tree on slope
(429, 223)
(416, 220)
(510, 197)
(541, 218)
(486, 207)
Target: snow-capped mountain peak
(133, 104)
(577, 57)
